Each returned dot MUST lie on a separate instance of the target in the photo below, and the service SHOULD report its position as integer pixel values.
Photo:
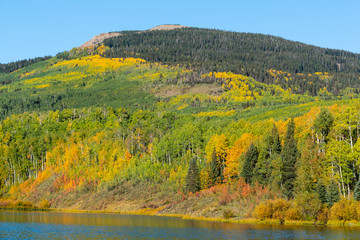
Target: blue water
(51, 225)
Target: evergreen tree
(251, 158)
(193, 177)
(321, 191)
(275, 143)
(264, 167)
(357, 191)
(332, 193)
(289, 157)
(215, 173)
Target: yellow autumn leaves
(77, 69)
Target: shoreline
(154, 212)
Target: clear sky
(31, 28)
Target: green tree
(289, 157)
(193, 177)
(357, 191)
(332, 193)
(321, 191)
(309, 204)
(274, 141)
(215, 170)
(271, 150)
(251, 158)
(309, 167)
(322, 125)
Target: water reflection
(52, 225)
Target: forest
(125, 126)
(253, 55)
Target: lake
(59, 225)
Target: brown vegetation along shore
(237, 203)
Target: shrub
(344, 210)
(44, 204)
(275, 209)
(225, 196)
(5, 203)
(293, 213)
(280, 206)
(309, 204)
(323, 214)
(264, 210)
(25, 204)
(228, 214)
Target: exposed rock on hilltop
(98, 39)
(101, 37)
(167, 27)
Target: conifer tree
(193, 177)
(289, 157)
(251, 158)
(357, 191)
(264, 167)
(321, 191)
(275, 144)
(332, 193)
(215, 171)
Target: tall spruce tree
(264, 168)
(215, 169)
(193, 177)
(332, 193)
(289, 155)
(321, 191)
(274, 143)
(357, 191)
(251, 158)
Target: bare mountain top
(101, 37)
(98, 39)
(167, 27)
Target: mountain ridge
(98, 39)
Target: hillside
(180, 121)
(249, 54)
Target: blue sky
(31, 28)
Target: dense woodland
(244, 53)
(101, 121)
(13, 66)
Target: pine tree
(321, 191)
(215, 172)
(357, 191)
(264, 167)
(251, 158)
(289, 157)
(275, 144)
(332, 193)
(193, 177)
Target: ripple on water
(145, 227)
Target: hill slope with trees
(179, 122)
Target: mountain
(181, 120)
(98, 39)
(244, 53)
